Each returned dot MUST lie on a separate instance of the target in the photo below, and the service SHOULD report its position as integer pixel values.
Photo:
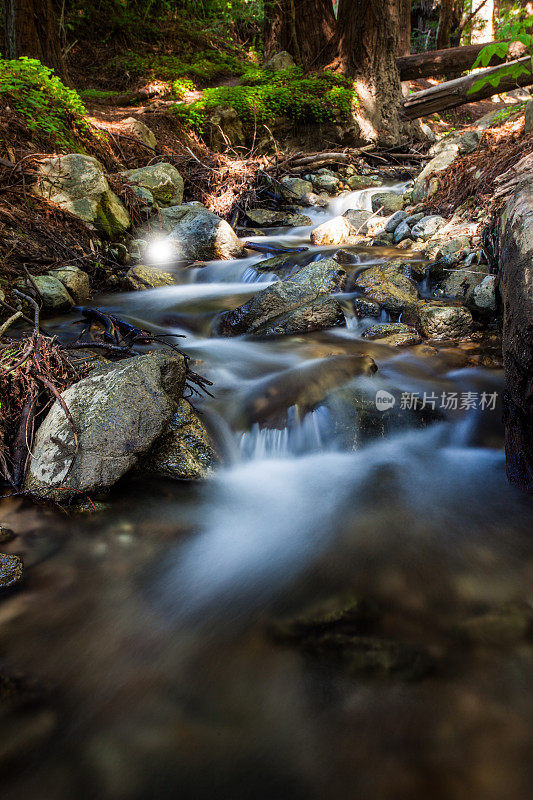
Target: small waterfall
(311, 434)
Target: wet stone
(11, 570)
(6, 534)
(393, 333)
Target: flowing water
(183, 642)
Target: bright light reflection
(161, 251)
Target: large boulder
(184, 451)
(459, 283)
(298, 304)
(78, 184)
(75, 281)
(387, 285)
(197, 234)
(118, 412)
(162, 180)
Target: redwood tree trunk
(367, 43)
(445, 24)
(31, 29)
(404, 27)
(304, 28)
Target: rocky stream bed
(312, 580)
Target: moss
(203, 67)
(264, 95)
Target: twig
(9, 322)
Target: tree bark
(440, 62)
(31, 29)
(514, 246)
(366, 44)
(304, 28)
(445, 24)
(456, 93)
(404, 27)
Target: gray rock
(483, 296)
(444, 322)
(137, 129)
(427, 182)
(281, 60)
(143, 277)
(78, 184)
(75, 281)
(198, 234)
(325, 183)
(162, 180)
(295, 189)
(358, 182)
(389, 202)
(428, 226)
(440, 248)
(459, 282)
(394, 221)
(402, 231)
(118, 412)
(414, 218)
(54, 294)
(387, 285)
(459, 143)
(294, 305)
(264, 216)
(358, 218)
(184, 451)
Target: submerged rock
(142, 277)
(184, 451)
(162, 180)
(118, 411)
(295, 305)
(78, 184)
(387, 285)
(11, 571)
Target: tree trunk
(404, 28)
(304, 28)
(514, 245)
(441, 62)
(456, 93)
(445, 24)
(31, 29)
(367, 43)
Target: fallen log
(513, 250)
(452, 59)
(458, 92)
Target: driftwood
(452, 59)
(457, 92)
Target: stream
(150, 639)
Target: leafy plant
(516, 29)
(40, 97)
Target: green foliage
(263, 95)
(97, 95)
(204, 66)
(516, 30)
(44, 102)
